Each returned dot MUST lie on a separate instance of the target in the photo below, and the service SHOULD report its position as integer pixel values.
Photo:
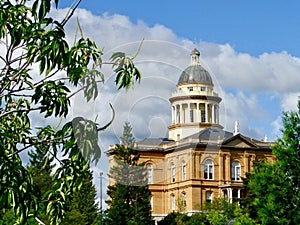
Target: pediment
(240, 141)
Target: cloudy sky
(250, 48)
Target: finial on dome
(195, 54)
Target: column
(213, 114)
(246, 163)
(201, 168)
(173, 118)
(229, 193)
(181, 114)
(221, 167)
(189, 113)
(217, 114)
(198, 114)
(197, 164)
(227, 168)
(206, 112)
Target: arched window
(208, 170)
(236, 171)
(173, 202)
(150, 173)
(183, 170)
(172, 173)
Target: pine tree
(40, 166)
(82, 208)
(130, 196)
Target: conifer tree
(129, 196)
(40, 166)
(82, 207)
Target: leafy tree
(130, 196)
(29, 39)
(274, 189)
(82, 208)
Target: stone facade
(199, 161)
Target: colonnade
(193, 113)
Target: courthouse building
(199, 161)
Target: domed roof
(195, 73)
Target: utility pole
(101, 174)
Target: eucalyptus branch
(37, 83)
(80, 89)
(20, 110)
(25, 65)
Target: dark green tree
(129, 196)
(40, 168)
(274, 189)
(82, 208)
(30, 38)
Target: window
(192, 115)
(151, 202)
(236, 171)
(208, 197)
(173, 202)
(203, 88)
(183, 168)
(208, 169)
(183, 200)
(172, 173)
(150, 174)
(190, 88)
(203, 116)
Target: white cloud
(272, 72)
(289, 101)
(162, 58)
(239, 78)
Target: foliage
(219, 212)
(82, 208)
(129, 196)
(40, 168)
(217, 218)
(274, 189)
(170, 219)
(30, 39)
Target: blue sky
(250, 48)
(253, 26)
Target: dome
(195, 73)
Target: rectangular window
(172, 173)
(173, 202)
(190, 88)
(236, 171)
(203, 116)
(208, 197)
(184, 172)
(208, 172)
(150, 174)
(203, 88)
